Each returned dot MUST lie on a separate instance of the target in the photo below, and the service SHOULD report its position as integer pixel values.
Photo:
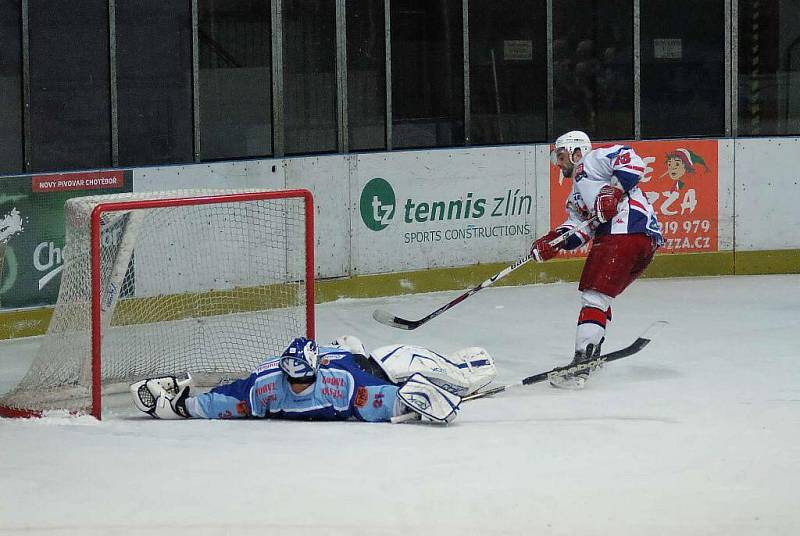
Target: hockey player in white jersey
(625, 234)
(335, 382)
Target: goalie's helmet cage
(574, 139)
(155, 284)
(300, 360)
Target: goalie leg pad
(400, 362)
(430, 401)
(477, 366)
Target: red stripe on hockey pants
(615, 261)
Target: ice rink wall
(417, 221)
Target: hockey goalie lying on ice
(336, 382)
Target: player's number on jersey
(622, 159)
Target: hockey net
(166, 283)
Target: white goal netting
(205, 288)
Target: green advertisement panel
(32, 230)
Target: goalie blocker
(340, 382)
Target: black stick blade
(389, 319)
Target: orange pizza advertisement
(681, 182)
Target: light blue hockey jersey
(343, 390)
(620, 166)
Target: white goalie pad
(428, 400)
(461, 373)
(477, 365)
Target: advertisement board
(32, 216)
(680, 180)
(439, 209)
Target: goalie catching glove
(162, 398)
(427, 399)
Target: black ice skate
(575, 378)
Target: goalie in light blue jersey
(336, 382)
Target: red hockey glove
(605, 204)
(541, 248)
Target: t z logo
(381, 213)
(377, 204)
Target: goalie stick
(389, 319)
(633, 348)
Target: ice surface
(698, 434)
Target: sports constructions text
(469, 232)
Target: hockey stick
(389, 319)
(633, 348)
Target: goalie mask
(300, 360)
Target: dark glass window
(235, 78)
(769, 68)
(508, 71)
(683, 68)
(154, 81)
(309, 75)
(427, 73)
(366, 75)
(10, 89)
(593, 67)
(69, 69)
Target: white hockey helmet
(574, 139)
(300, 360)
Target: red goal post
(199, 281)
